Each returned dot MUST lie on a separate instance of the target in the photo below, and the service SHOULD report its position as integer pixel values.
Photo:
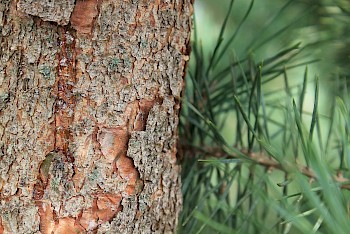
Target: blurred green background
(320, 25)
(272, 24)
(266, 77)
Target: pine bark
(89, 102)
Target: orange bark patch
(47, 223)
(83, 15)
(113, 142)
(131, 113)
(89, 219)
(1, 227)
(114, 145)
(104, 209)
(108, 206)
(151, 16)
(141, 119)
(127, 171)
(78, 179)
(68, 225)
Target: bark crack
(58, 167)
(65, 99)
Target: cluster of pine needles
(260, 152)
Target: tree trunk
(89, 103)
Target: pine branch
(262, 159)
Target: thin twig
(266, 161)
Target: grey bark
(89, 102)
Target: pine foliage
(261, 150)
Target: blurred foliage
(264, 143)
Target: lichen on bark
(58, 11)
(88, 115)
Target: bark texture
(89, 101)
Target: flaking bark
(89, 102)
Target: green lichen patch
(45, 71)
(45, 166)
(113, 64)
(94, 175)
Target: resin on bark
(89, 114)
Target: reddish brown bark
(89, 103)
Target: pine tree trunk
(89, 103)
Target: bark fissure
(65, 100)
(64, 108)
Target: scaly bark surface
(89, 103)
